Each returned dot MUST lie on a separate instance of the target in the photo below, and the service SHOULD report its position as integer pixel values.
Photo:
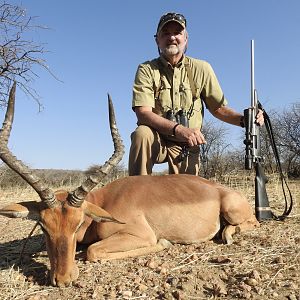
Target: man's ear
(186, 41)
(186, 35)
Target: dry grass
(261, 264)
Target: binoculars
(179, 117)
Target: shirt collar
(166, 64)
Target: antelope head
(61, 214)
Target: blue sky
(96, 46)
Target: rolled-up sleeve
(212, 93)
(143, 90)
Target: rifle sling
(287, 210)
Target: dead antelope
(129, 217)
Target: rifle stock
(262, 207)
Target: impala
(128, 217)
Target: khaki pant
(149, 148)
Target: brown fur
(140, 214)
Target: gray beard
(171, 50)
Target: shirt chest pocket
(186, 95)
(165, 97)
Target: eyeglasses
(173, 16)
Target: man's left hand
(260, 120)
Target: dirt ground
(261, 264)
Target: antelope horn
(76, 197)
(21, 169)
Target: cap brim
(168, 21)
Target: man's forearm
(190, 136)
(162, 125)
(228, 115)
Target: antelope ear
(97, 213)
(30, 209)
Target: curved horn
(76, 198)
(45, 193)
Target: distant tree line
(218, 157)
(55, 178)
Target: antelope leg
(123, 245)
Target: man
(168, 98)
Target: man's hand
(260, 118)
(191, 136)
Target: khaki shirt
(175, 89)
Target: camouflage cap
(171, 17)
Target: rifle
(253, 156)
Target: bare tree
(212, 153)
(288, 138)
(267, 153)
(286, 130)
(19, 55)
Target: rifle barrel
(253, 104)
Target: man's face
(172, 39)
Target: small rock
(112, 295)
(266, 276)
(163, 270)
(242, 243)
(137, 279)
(178, 295)
(259, 291)
(224, 276)
(127, 294)
(95, 295)
(79, 284)
(143, 287)
(221, 260)
(251, 281)
(247, 295)
(220, 288)
(255, 274)
(245, 287)
(30, 278)
(194, 257)
(120, 287)
(172, 281)
(140, 261)
(294, 286)
(151, 264)
(166, 285)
